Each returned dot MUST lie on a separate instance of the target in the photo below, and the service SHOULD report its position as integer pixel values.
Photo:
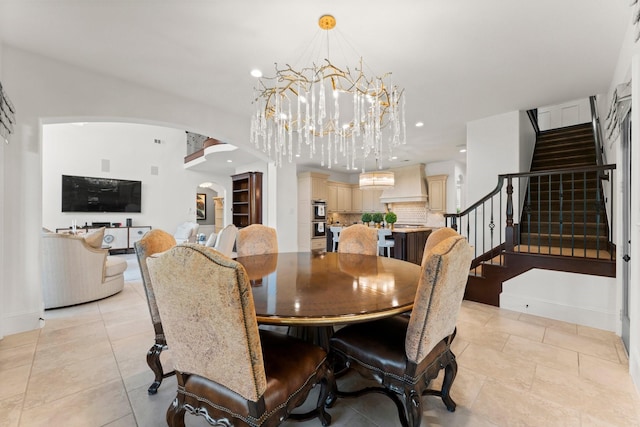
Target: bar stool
(384, 243)
(335, 233)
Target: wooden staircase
(555, 200)
(563, 225)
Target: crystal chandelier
(334, 112)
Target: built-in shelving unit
(247, 199)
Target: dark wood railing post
(509, 235)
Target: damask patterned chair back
(257, 239)
(226, 367)
(445, 270)
(153, 242)
(358, 239)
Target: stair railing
(584, 229)
(597, 131)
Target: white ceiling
(458, 61)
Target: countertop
(411, 229)
(400, 229)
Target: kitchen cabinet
(437, 185)
(247, 199)
(371, 201)
(339, 197)
(344, 198)
(356, 199)
(332, 200)
(311, 186)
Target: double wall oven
(319, 219)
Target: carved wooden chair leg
(153, 360)
(450, 372)
(176, 412)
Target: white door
(625, 139)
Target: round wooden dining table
(329, 288)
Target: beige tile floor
(87, 367)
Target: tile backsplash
(408, 213)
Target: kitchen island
(409, 242)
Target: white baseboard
(21, 322)
(554, 310)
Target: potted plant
(377, 218)
(390, 218)
(366, 218)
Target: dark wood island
(409, 243)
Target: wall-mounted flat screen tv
(88, 194)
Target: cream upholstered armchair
(257, 239)
(227, 369)
(186, 232)
(75, 269)
(153, 242)
(404, 353)
(358, 239)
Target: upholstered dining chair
(228, 370)
(358, 239)
(257, 239)
(153, 242)
(404, 353)
(226, 240)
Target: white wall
(48, 91)
(168, 198)
(452, 169)
(576, 298)
(566, 114)
(3, 298)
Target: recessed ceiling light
(229, 161)
(394, 158)
(256, 73)
(463, 150)
(419, 124)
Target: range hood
(410, 186)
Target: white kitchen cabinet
(332, 197)
(371, 201)
(356, 199)
(344, 198)
(437, 185)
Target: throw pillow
(94, 239)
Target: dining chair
(211, 241)
(226, 240)
(335, 236)
(153, 242)
(384, 243)
(404, 353)
(257, 239)
(358, 239)
(227, 369)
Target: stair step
(588, 242)
(590, 217)
(568, 228)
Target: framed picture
(201, 206)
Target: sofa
(75, 269)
